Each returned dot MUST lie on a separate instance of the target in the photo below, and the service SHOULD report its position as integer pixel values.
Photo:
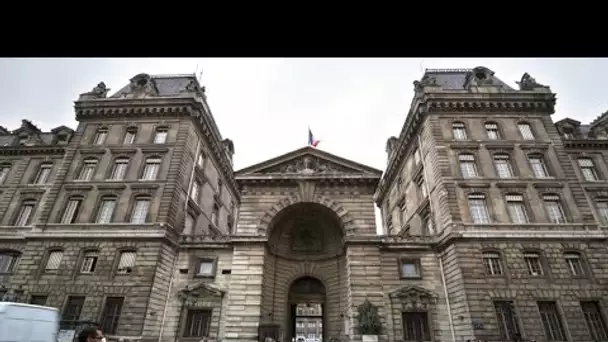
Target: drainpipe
(162, 322)
(441, 269)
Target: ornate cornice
(164, 107)
(293, 180)
(590, 144)
(457, 102)
(28, 150)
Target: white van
(28, 323)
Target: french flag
(311, 139)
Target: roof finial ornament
(425, 81)
(528, 82)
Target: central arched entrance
(306, 320)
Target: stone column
(242, 315)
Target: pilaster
(243, 312)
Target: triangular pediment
(309, 161)
(201, 290)
(412, 292)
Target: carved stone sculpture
(101, 90)
(528, 82)
(425, 81)
(369, 319)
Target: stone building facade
(494, 221)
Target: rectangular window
(595, 321)
(410, 268)
(89, 262)
(539, 169)
(130, 136)
(119, 170)
(588, 169)
(215, 215)
(54, 261)
(194, 192)
(503, 166)
(88, 169)
(4, 173)
(126, 263)
(71, 212)
(100, 136)
(416, 326)
(25, 214)
(574, 264)
(39, 300)
(422, 187)
(459, 131)
(602, 210)
(492, 131)
(478, 209)
(205, 268)
(106, 211)
(533, 263)
(8, 261)
(553, 206)
(161, 136)
(517, 209)
(507, 320)
(140, 211)
(492, 263)
(551, 321)
(468, 169)
(189, 225)
(526, 131)
(151, 169)
(197, 323)
(43, 174)
(111, 315)
(200, 160)
(73, 308)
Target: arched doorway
(306, 321)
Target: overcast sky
(266, 105)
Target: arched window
(44, 173)
(126, 261)
(130, 135)
(574, 263)
(89, 261)
(4, 170)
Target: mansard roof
(29, 138)
(460, 79)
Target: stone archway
(269, 216)
(306, 310)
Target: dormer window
(62, 137)
(23, 139)
(568, 133)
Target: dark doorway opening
(306, 322)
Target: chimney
(228, 148)
(391, 144)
